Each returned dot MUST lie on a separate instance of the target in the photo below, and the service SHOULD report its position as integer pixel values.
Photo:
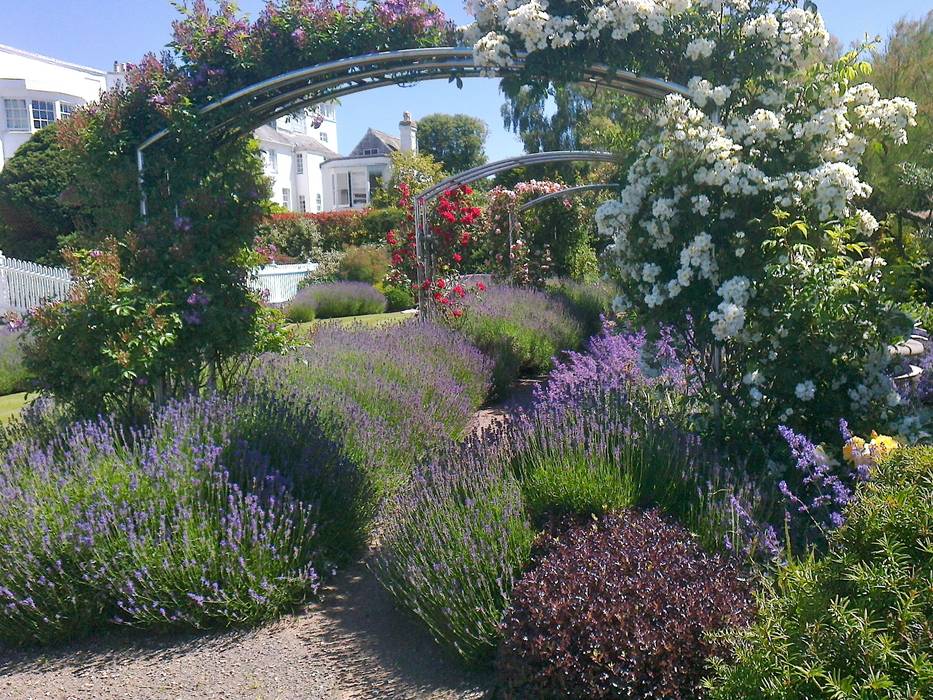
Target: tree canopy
(456, 141)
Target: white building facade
(37, 90)
(293, 150)
(349, 182)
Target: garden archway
(422, 200)
(292, 91)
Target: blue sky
(98, 32)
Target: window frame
(45, 108)
(26, 117)
(300, 163)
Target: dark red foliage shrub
(619, 608)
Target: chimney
(408, 133)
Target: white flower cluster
(729, 318)
(805, 391)
(493, 50)
(702, 91)
(700, 48)
(795, 36)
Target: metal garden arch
(247, 108)
(566, 192)
(423, 199)
(289, 92)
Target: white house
(293, 150)
(350, 181)
(37, 90)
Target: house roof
(299, 142)
(393, 142)
(49, 59)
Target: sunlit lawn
(369, 320)
(10, 406)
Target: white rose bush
(740, 223)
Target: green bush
(14, 377)
(295, 235)
(590, 301)
(31, 208)
(857, 623)
(340, 229)
(378, 222)
(398, 298)
(364, 264)
(334, 300)
(521, 329)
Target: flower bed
(391, 395)
(335, 300)
(224, 511)
(521, 329)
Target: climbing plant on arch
(769, 126)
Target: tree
(32, 210)
(456, 141)
(901, 173)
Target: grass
(370, 321)
(11, 405)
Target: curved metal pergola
(566, 192)
(294, 90)
(423, 199)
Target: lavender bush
(333, 300)
(13, 375)
(522, 329)
(390, 395)
(454, 544)
(190, 521)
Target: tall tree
(456, 141)
(901, 175)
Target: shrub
(453, 546)
(340, 229)
(369, 264)
(295, 235)
(618, 608)
(378, 223)
(334, 300)
(857, 622)
(33, 216)
(212, 516)
(399, 298)
(391, 395)
(521, 329)
(14, 377)
(590, 301)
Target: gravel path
(355, 645)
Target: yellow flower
(881, 445)
(854, 449)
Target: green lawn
(368, 320)
(10, 406)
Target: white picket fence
(26, 285)
(279, 283)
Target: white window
(43, 113)
(302, 203)
(286, 198)
(271, 160)
(318, 202)
(323, 136)
(342, 189)
(300, 164)
(370, 151)
(65, 109)
(17, 117)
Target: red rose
(391, 239)
(480, 287)
(458, 313)
(458, 257)
(459, 291)
(441, 284)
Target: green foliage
(456, 141)
(14, 377)
(364, 264)
(858, 622)
(398, 298)
(590, 300)
(417, 170)
(340, 229)
(378, 222)
(901, 173)
(34, 187)
(335, 300)
(294, 235)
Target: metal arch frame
(288, 92)
(566, 192)
(423, 199)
